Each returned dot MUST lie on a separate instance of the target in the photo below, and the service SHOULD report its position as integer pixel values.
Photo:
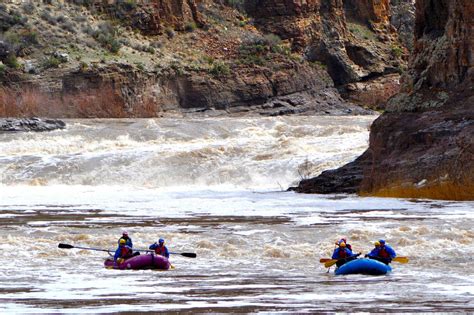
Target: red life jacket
(383, 252)
(125, 252)
(160, 250)
(342, 253)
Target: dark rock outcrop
(346, 179)
(424, 145)
(30, 124)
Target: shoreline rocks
(30, 124)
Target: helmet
(377, 243)
(122, 241)
(161, 241)
(342, 244)
(125, 233)
(382, 242)
(342, 240)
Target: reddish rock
(374, 93)
(152, 17)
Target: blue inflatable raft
(363, 266)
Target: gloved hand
(366, 256)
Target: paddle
(61, 245)
(88, 248)
(328, 263)
(190, 255)
(331, 262)
(401, 259)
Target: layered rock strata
(354, 39)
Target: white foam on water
(214, 187)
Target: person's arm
(373, 253)
(153, 246)
(335, 254)
(391, 252)
(167, 253)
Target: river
(215, 187)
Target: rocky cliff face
(402, 18)
(353, 38)
(152, 17)
(160, 57)
(424, 145)
(202, 55)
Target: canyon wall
(354, 39)
(158, 57)
(423, 146)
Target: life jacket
(342, 253)
(383, 252)
(160, 250)
(125, 252)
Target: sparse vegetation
(190, 27)
(3, 69)
(397, 51)
(105, 35)
(11, 61)
(256, 49)
(219, 69)
(361, 31)
(140, 66)
(83, 66)
(318, 65)
(51, 62)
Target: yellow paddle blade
(330, 263)
(323, 260)
(402, 260)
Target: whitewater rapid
(214, 187)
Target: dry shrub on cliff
(104, 102)
(443, 191)
(26, 103)
(98, 103)
(107, 102)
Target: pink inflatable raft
(149, 261)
